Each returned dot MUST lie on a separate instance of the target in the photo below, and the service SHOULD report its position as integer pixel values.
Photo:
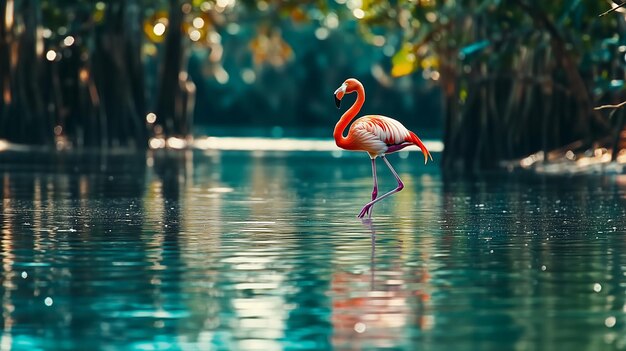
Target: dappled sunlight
(598, 160)
(199, 175)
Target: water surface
(184, 250)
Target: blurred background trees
(503, 78)
(516, 76)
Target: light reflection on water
(247, 251)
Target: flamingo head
(339, 93)
(349, 86)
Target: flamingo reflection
(375, 308)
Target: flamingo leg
(375, 191)
(400, 186)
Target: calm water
(262, 251)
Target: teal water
(262, 251)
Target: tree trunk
(176, 91)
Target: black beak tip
(337, 102)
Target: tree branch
(614, 8)
(610, 106)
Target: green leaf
(404, 61)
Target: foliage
(517, 76)
(107, 73)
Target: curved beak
(339, 93)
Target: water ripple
(263, 252)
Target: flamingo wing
(375, 134)
(379, 135)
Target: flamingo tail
(416, 140)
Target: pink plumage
(379, 135)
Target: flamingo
(376, 135)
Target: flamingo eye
(341, 90)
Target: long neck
(348, 116)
